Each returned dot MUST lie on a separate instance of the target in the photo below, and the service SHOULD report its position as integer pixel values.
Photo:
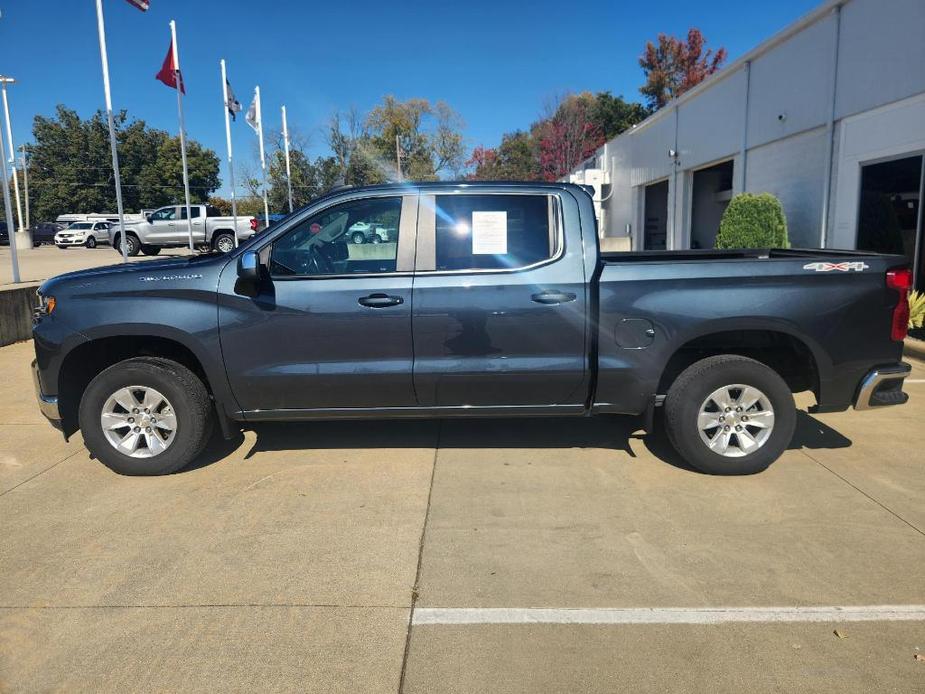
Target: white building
(828, 115)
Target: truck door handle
(380, 300)
(554, 297)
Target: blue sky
(496, 63)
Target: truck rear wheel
(729, 415)
(223, 242)
(145, 416)
(133, 245)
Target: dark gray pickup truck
(490, 300)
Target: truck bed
(737, 254)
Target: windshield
(80, 225)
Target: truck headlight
(46, 305)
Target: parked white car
(367, 232)
(89, 234)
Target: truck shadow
(607, 432)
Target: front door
(331, 325)
(499, 303)
(163, 225)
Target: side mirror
(249, 267)
(150, 218)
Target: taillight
(900, 279)
(253, 224)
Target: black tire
(149, 250)
(134, 245)
(91, 242)
(63, 248)
(376, 238)
(358, 237)
(696, 383)
(186, 393)
(223, 242)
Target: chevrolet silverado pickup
(167, 227)
(491, 300)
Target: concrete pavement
(37, 264)
(287, 559)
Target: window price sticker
(489, 233)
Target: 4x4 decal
(857, 266)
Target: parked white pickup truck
(167, 227)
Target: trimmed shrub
(753, 221)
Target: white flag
(252, 117)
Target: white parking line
(665, 615)
(914, 380)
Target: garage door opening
(655, 232)
(890, 215)
(711, 191)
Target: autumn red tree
(673, 65)
(568, 136)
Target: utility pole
(398, 155)
(25, 181)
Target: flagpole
(12, 156)
(286, 147)
(8, 209)
(104, 59)
(179, 77)
(234, 202)
(263, 159)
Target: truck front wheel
(729, 415)
(145, 416)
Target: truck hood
(185, 268)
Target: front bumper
(48, 404)
(883, 387)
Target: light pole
(12, 154)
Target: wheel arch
(87, 359)
(800, 364)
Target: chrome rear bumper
(883, 387)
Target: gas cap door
(634, 333)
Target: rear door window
(493, 232)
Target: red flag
(169, 73)
(140, 4)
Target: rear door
(499, 303)
(331, 325)
(199, 224)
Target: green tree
(613, 115)
(753, 221)
(515, 159)
(420, 139)
(309, 178)
(71, 166)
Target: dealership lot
(36, 264)
(288, 559)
